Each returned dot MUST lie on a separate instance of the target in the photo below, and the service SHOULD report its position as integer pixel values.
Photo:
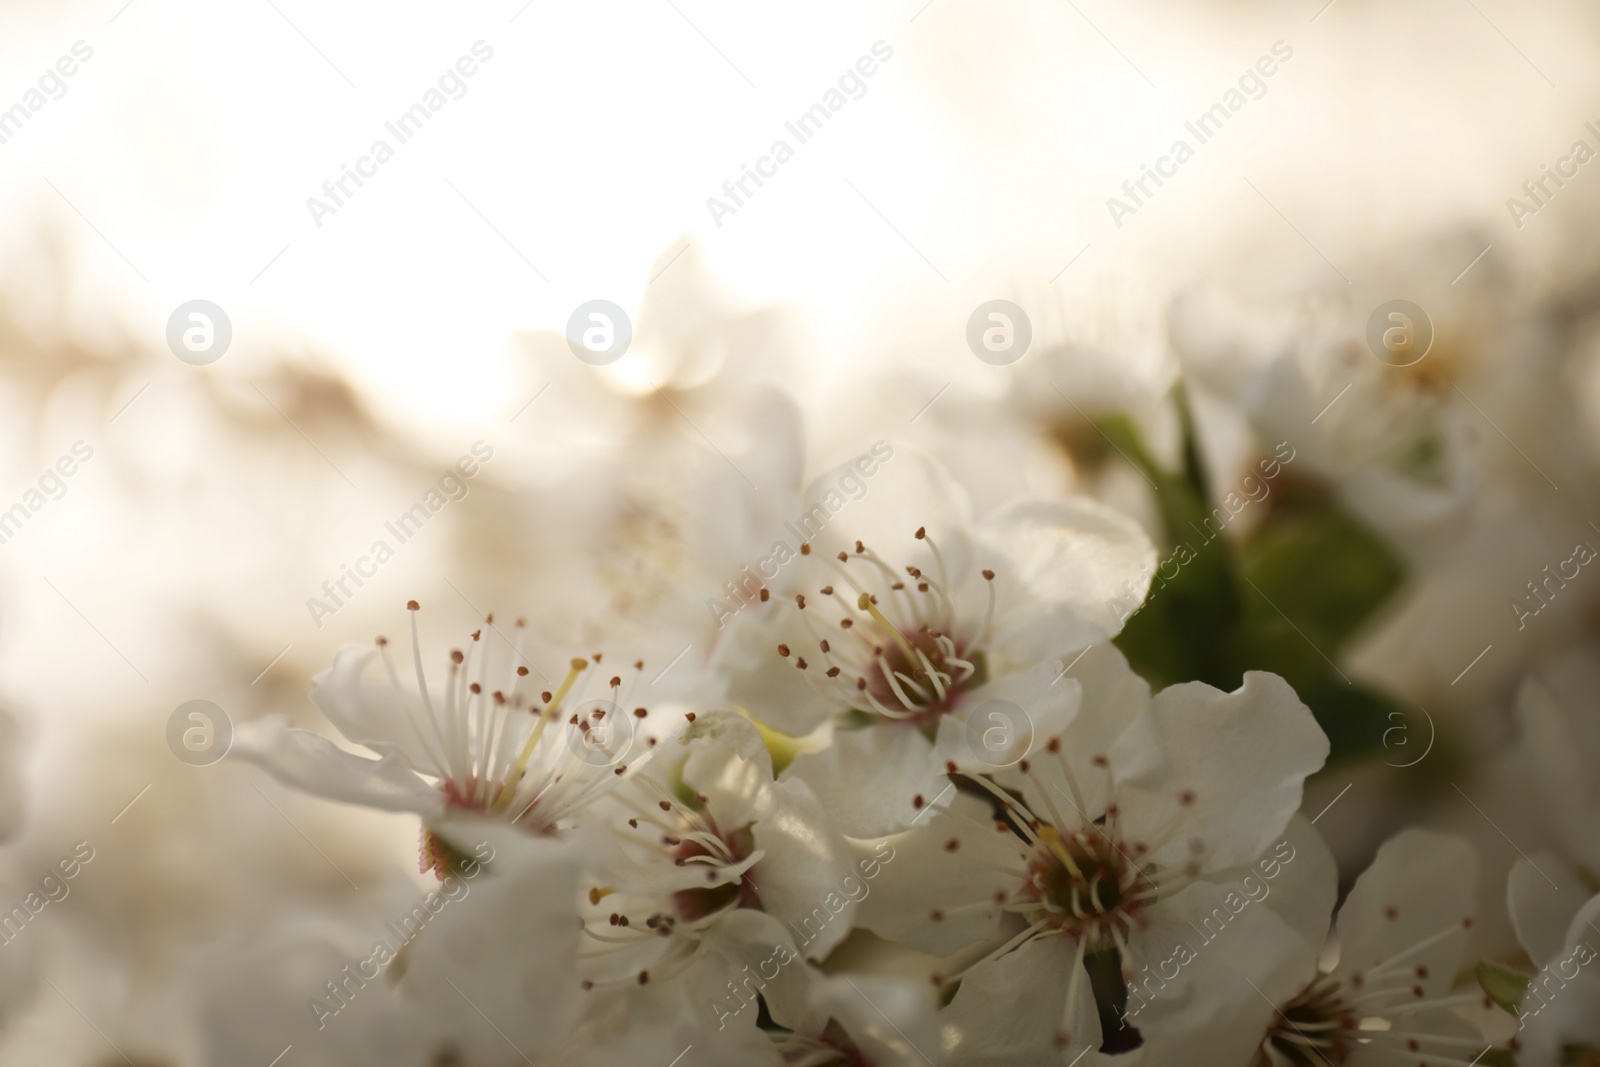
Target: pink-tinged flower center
(1322, 1026)
(1084, 886)
(727, 850)
(898, 650)
(832, 1048)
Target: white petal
(767, 685)
(920, 875)
(891, 1021)
(1075, 562)
(805, 878)
(750, 939)
(1033, 1006)
(1563, 774)
(1261, 926)
(1224, 769)
(907, 491)
(307, 761)
(1204, 949)
(867, 778)
(370, 712)
(1420, 884)
(1007, 719)
(497, 967)
(1543, 895)
(728, 764)
(1113, 697)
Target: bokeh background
(374, 346)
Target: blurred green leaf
(1319, 565)
(1286, 600)
(1504, 986)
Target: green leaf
(1318, 564)
(1286, 600)
(1505, 987)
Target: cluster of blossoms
(915, 808)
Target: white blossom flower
(899, 618)
(487, 745)
(718, 883)
(1097, 852)
(1401, 936)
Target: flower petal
(1032, 1005)
(1543, 895)
(1225, 770)
(310, 762)
(1072, 563)
(370, 713)
(1420, 884)
(922, 876)
(867, 778)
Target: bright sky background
(977, 165)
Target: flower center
(899, 650)
(735, 847)
(832, 1048)
(1083, 885)
(1310, 1031)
